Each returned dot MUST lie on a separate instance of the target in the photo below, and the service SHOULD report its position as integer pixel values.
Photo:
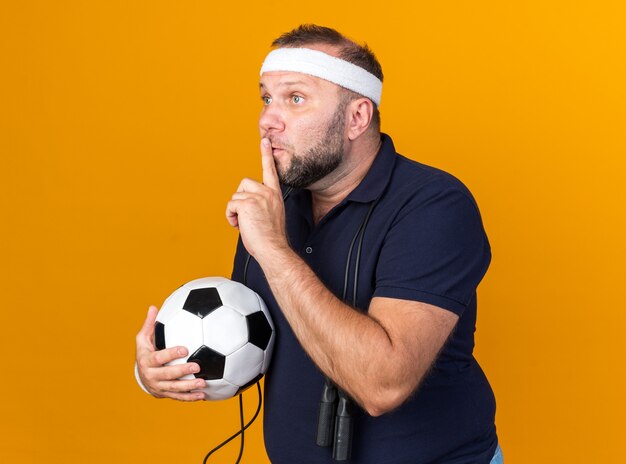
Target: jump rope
(335, 425)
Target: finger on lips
(270, 177)
(249, 188)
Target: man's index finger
(270, 176)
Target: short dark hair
(349, 50)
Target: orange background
(126, 126)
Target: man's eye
(297, 99)
(266, 100)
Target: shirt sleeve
(239, 262)
(435, 251)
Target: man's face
(304, 118)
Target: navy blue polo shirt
(424, 242)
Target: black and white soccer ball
(227, 330)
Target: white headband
(327, 67)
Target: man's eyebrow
(286, 83)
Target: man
(369, 267)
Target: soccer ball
(227, 330)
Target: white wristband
(143, 387)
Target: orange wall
(126, 126)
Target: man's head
(320, 91)
(310, 35)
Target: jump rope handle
(342, 446)
(326, 415)
(334, 421)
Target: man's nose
(271, 120)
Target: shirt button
(309, 250)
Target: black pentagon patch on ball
(259, 329)
(249, 384)
(211, 363)
(202, 301)
(159, 336)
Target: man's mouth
(276, 149)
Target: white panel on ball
(244, 300)
(206, 282)
(183, 329)
(172, 304)
(244, 364)
(219, 389)
(225, 330)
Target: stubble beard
(321, 159)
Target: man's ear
(360, 112)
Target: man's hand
(161, 380)
(258, 210)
